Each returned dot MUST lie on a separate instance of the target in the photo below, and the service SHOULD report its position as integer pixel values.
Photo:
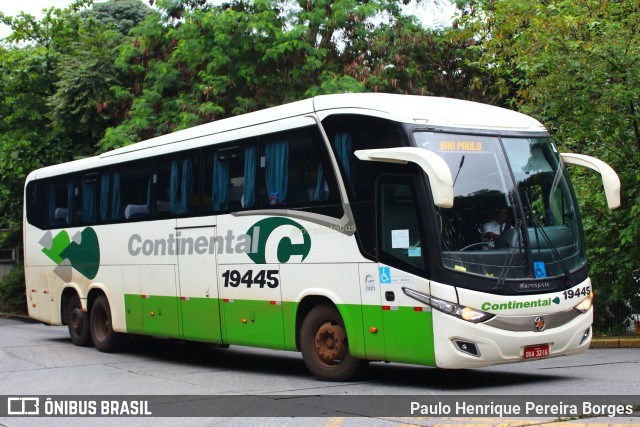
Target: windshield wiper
(538, 227)
(459, 169)
(510, 254)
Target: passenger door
(199, 297)
(408, 330)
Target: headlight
(465, 313)
(586, 304)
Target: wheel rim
(330, 343)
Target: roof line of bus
(231, 124)
(416, 109)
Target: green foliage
(83, 106)
(24, 86)
(238, 57)
(12, 291)
(122, 15)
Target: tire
(104, 338)
(325, 347)
(78, 323)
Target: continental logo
(80, 252)
(513, 305)
(271, 240)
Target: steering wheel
(486, 244)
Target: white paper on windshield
(400, 239)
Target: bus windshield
(514, 214)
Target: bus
(349, 227)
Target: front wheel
(78, 323)
(325, 347)
(104, 338)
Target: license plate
(536, 351)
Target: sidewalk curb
(631, 342)
(20, 317)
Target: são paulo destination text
(492, 409)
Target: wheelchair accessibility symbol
(385, 275)
(540, 270)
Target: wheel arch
(116, 305)
(94, 293)
(67, 293)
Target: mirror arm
(610, 178)
(432, 164)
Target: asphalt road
(41, 360)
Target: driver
(494, 228)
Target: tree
(218, 61)
(83, 105)
(123, 15)
(28, 78)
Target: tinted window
(88, 199)
(176, 185)
(294, 170)
(131, 191)
(399, 228)
(347, 134)
(229, 178)
(37, 204)
(60, 195)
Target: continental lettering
(515, 305)
(270, 240)
(175, 244)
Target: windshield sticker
(400, 239)
(540, 269)
(415, 252)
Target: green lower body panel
(160, 316)
(133, 313)
(408, 336)
(201, 319)
(398, 334)
(253, 323)
(401, 334)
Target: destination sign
(460, 146)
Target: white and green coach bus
(348, 227)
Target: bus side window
(175, 183)
(308, 179)
(132, 182)
(348, 133)
(399, 223)
(60, 202)
(294, 169)
(274, 170)
(91, 198)
(229, 178)
(36, 204)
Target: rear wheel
(78, 323)
(104, 338)
(325, 346)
